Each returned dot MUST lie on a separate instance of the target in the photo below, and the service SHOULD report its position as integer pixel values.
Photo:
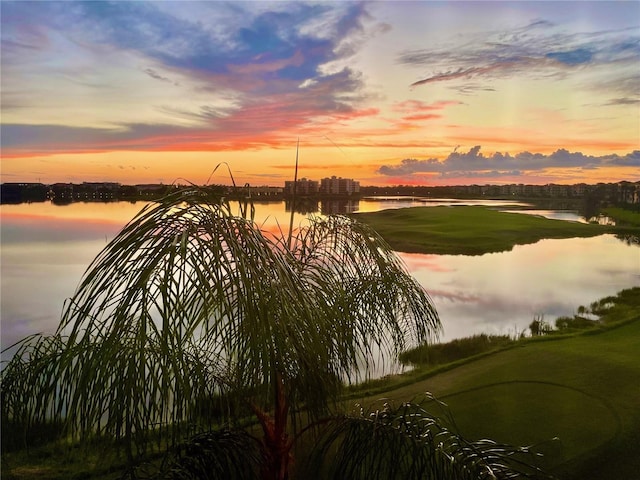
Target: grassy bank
(623, 217)
(468, 230)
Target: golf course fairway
(465, 230)
(576, 399)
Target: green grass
(583, 389)
(60, 460)
(468, 230)
(623, 216)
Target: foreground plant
(409, 442)
(193, 318)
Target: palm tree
(194, 321)
(192, 314)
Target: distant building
(265, 191)
(97, 191)
(23, 192)
(150, 189)
(112, 186)
(339, 186)
(302, 187)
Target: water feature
(46, 248)
(568, 215)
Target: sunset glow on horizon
(386, 92)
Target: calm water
(46, 248)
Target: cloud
(416, 109)
(410, 114)
(474, 164)
(153, 74)
(630, 160)
(225, 40)
(268, 64)
(487, 174)
(624, 101)
(538, 50)
(462, 73)
(473, 88)
(228, 42)
(260, 122)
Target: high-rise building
(302, 187)
(339, 186)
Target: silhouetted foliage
(539, 326)
(440, 353)
(408, 442)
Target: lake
(45, 249)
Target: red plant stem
(276, 444)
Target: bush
(574, 323)
(442, 353)
(539, 326)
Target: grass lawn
(624, 217)
(468, 230)
(584, 390)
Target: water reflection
(302, 205)
(501, 292)
(566, 215)
(117, 212)
(373, 204)
(380, 203)
(332, 207)
(629, 239)
(325, 206)
(36, 277)
(46, 248)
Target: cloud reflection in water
(501, 292)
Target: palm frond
(219, 455)
(377, 307)
(407, 442)
(28, 390)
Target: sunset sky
(386, 92)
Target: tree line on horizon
(620, 193)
